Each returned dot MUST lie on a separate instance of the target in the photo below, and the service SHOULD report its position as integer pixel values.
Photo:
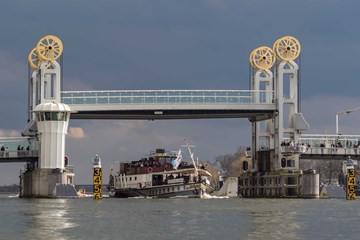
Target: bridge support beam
(262, 80)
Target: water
(178, 218)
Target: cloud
(9, 133)
(76, 132)
(320, 112)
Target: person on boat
(2, 151)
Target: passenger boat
(162, 175)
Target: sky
(169, 44)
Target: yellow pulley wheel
(263, 58)
(33, 59)
(251, 58)
(287, 48)
(49, 48)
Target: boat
(162, 175)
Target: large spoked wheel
(263, 58)
(287, 48)
(33, 59)
(49, 48)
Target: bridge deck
(170, 104)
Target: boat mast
(192, 156)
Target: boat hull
(163, 191)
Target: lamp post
(343, 113)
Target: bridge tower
(267, 149)
(261, 59)
(47, 122)
(287, 49)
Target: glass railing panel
(79, 101)
(220, 99)
(138, 94)
(162, 99)
(197, 99)
(174, 93)
(174, 99)
(90, 100)
(103, 100)
(209, 99)
(114, 100)
(150, 100)
(114, 94)
(185, 99)
(233, 99)
(162, 93)
(150, 94)
(102, 94)
(125, 100)
(138, 100)
(89, 94)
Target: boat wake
(208, 196)
(13, 196)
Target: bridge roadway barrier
(323, 153)
(18, 156)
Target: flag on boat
(176, 162)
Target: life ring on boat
(149, 169)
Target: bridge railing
(168, 97)
(330, 140)
(332, 151)
(13, 144)
(19, 154)
(321, 150)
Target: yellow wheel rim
(287, 48)
(251, 57)
(263, 58)
(49, 48)
(34, 59)
(274, 48)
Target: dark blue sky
(202, 44)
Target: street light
(343, 113)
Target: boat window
(245, 165)
(173, 189)
(178, 188)
(168, 189)
(130, 179)
(135, 178)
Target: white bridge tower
(48, 123)
(268, 152)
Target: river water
(233, 218)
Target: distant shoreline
(10, 189)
